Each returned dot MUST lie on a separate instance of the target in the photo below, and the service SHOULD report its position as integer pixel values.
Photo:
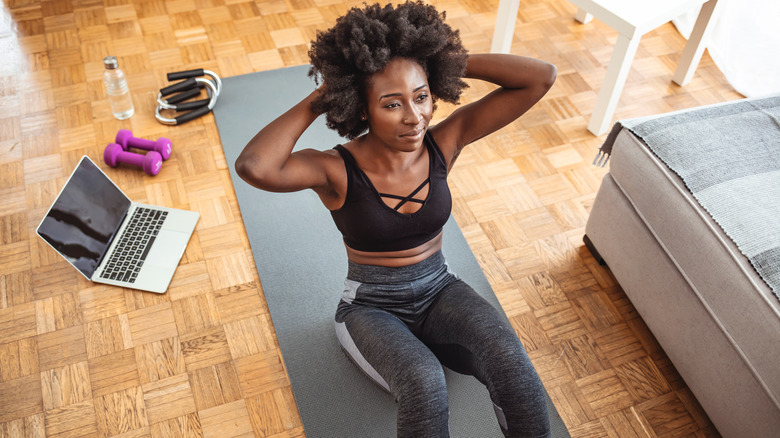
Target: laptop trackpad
(167, 249)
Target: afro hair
(364, 41)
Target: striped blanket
(728, 156)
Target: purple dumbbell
(151, 162)
(162, 145)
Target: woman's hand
(511, 71)
(522, 82)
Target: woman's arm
(267, 161)
(522, 82)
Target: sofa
(699, 287)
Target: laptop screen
(84, 217)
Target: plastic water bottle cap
(110, 62)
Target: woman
(403, 313)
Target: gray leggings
(399, 325)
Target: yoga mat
(302, 264)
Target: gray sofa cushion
(722, 277)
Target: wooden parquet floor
(81, 359)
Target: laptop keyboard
(128, 256)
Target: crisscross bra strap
(410, 197)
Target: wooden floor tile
(642, 379)
(605, 392)
(159, 360)
(168, 398)
(195, 313)
(205, 348)
(121, 412)
(240, 302)
(250, 336)
(100, 302)
(561, 322)
(66, 385)
(625, 423)
(181, 427)
(152, 324)
(106, 336)
(77, 420)
(668, 416)
(530, 332)
(228, 420)
(61, 347)
(266, 412)
(113, 372)
(18, 359)
(215, 385)
(21, 397)
(584, 357)
(619, 344)
(260, 373)
(32, 426)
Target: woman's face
(399, 105)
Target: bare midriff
(395, 259)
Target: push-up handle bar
(186, 89)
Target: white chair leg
(696, 44)
(582, 16)
(612, 86)
(505, 26)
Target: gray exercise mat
(302, 264)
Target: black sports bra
(368, 224)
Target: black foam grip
(194, 114)
(175, 76)
(181, 97)
(186, 106)
(180, 86)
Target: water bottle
(117, 89)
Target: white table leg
(505, 26)
(612, 86)
(582, 16)
(695, 46)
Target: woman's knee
(421, 383)
(423, 408)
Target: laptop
(112, 240)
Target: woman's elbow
(241, 167)
(549, 76)
(543, 80)
(248, 169)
